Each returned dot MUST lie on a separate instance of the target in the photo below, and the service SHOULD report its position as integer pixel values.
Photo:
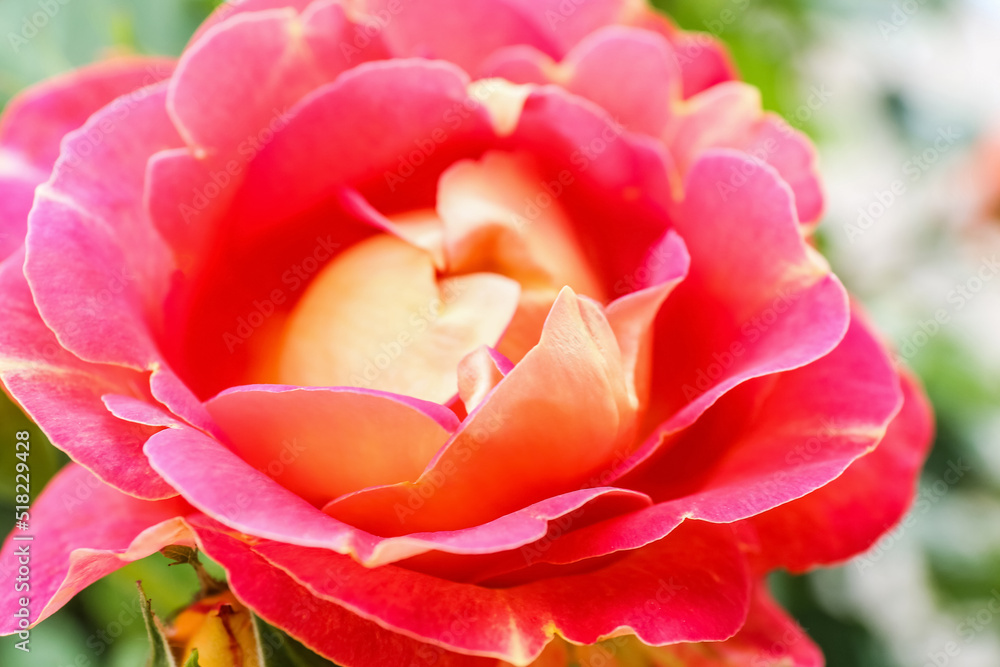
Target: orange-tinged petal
(324, 443)
(552, 425)
(500, 214)
(479, 373)
(377, 317)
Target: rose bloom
(458, 333)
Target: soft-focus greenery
(85, 30)
(769, 40)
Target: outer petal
(81, 530)
(769, 639)
(757, 300)
(326, 628)
(228, 10)
(703, 59)
(98, 269)
(467, 33)
(557, 420)
(691, 587)
(268, 61)
(772, 441)
(631, 73)
(461, 32)
(62, 394)
(632, 316)
(251, 501)
(730, 116)
(17, 190)
(848, 515)
(779, 438)
(324, 443)
(335, 137)
(569, 24)
(35, 122)
(237, 494)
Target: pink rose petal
(82, 530)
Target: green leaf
(182, 555)
(193, 660)
(160, 654)
(277, 649)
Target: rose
(436, 358)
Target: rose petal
(324, 443)
(632, 316)
(608, 174)
(335, 138)
(62, 394)
(378, 317)
(17, 192)
(97, 268)
(848, 515)
(252, 502)
(661, 593)
(269, 60)
(461, 32)
(490, 549)
(757, 300)
(224, 319)
(82, 530)
(500, 214)
(778, 438)
(731, 116)
(568, 24)
(772, 441)
(554, 422)
(271, 511)
(489, 224)
(770, 638)
(138, 411)
(702, 58)
(324, 627)
(631, 73)
(478, 373)
(37, 119)
(228, 10)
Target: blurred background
(903, 99)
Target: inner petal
(324, 443)
(379, 317)
(501, 214)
